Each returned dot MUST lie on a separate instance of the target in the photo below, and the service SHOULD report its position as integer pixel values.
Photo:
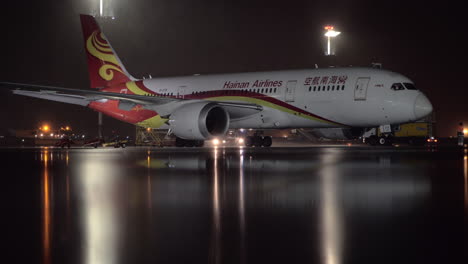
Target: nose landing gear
(380, 141)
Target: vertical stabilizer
(104, 66)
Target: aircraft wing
(81, 97)
(161, 104)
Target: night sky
(42, 44)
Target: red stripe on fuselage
(143, 87)
(218, 93)
(224, 93)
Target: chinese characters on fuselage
(319, 80)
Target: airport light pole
(100, 7)
(331, 33)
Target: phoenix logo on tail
(105, 67)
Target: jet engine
(338, 133)
(199, 121)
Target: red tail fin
(104, 66)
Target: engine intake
(199, 121)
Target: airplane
(337, 102)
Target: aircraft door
(360, 90)
(290, 91)
(181, 91)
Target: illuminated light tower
(105, 9)
(331, 33)
(100, 7)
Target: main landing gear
(180, 142)
(258, 141)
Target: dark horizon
(43, 45)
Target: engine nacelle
(338, 133)
(199, 121)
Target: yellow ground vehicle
(416, 133)
(413, 133)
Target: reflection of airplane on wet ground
(301, 174)
(338, 101)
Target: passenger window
(342, 87)
(275, 90)
(397, 87)
(315, 88)
(410, 86)
(310, 88)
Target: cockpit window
(410, 86)
(397, 87)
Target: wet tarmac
(323, 204)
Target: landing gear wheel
(249, 141)
(385, 141)
(258, 141)
(267, 141)
(189, 143)
(123, 145)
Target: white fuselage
(311, 98)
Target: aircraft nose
(422, 106)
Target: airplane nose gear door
(360, 90)
(290, 91)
